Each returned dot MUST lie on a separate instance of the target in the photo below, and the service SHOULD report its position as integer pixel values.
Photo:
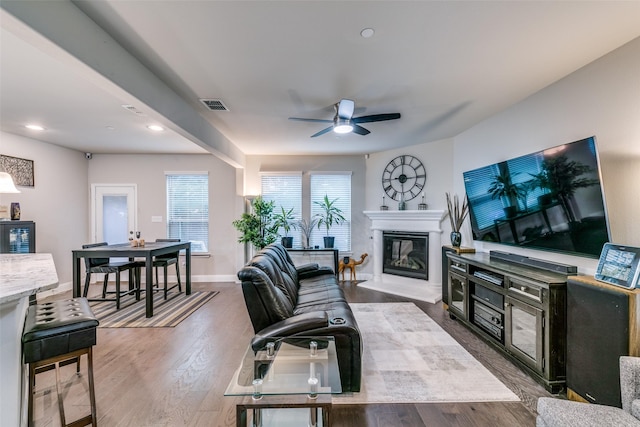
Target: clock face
(404, 178)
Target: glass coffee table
(287, 382)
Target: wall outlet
(156, 219)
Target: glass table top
(288, 366)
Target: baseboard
(67, 286)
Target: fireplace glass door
(405, 254)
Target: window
(337, 186)
(188, 208)
(285, 189)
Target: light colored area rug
(166, 314)
(409, 358)
(410, 288)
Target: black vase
(287, 242)
(328, 242)
(456, 238)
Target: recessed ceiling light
(34, 127)
(367, 33)
(155, 128)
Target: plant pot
(510, 211)
(328, 242)
(456, 238)
(545, 199)
(287, 242)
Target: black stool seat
(54, 333)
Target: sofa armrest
(304, 268)
(290, 326)
(629, 380)
(320, 271)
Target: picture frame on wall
(21, 170)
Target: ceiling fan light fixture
(342, 125)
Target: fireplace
(409, 222)
(405, 254)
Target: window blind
(188, 209)
(285, 190)
(337, 186)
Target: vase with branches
(307, 227)
(457, 215)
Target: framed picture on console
(619, 265)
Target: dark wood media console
(518, 309)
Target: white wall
(601, 99)
(148, 173)
(58, 202)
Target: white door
(113, 212)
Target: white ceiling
(444, 65)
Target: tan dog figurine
(351, 265)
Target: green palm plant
(330, 214)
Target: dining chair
(105, 266)
(164, 261)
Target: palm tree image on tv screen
(550, 200)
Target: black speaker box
(534, 262)
(597, 335)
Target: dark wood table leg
(149, 285)
(187, 288)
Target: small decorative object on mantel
(402, 205)
(422, 206)
(384, 207)
(457, 216)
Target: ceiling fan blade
(322, 132)
(360, 130)
(311, 120)
(376, 118)
(345, 108)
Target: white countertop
(25, 274)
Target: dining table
(126, 250)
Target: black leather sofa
(285, 301)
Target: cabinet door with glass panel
(458, 296)
(525, 332)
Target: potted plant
(257, 227)
(330, 215)
(502, 187)
(307, 227)
(285, 220)
(457, 216)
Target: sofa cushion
(566, 413)
(265, 302)
(266, 263)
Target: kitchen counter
(21, 275)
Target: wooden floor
(177, 376)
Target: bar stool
(58, 333)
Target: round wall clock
(404, 178)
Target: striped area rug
(166, 314)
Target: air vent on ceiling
(214, 104)
(133, 109)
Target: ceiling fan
(344, 122)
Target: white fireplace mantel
(427, 221)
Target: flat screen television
(549, 200)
